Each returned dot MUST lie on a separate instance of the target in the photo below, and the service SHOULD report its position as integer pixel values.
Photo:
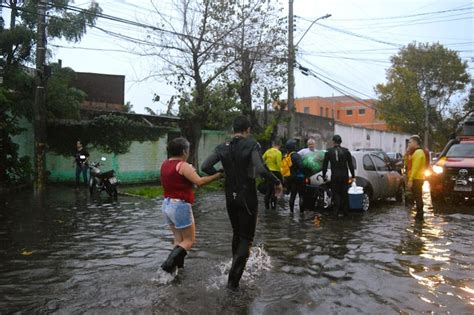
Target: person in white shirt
(310, 147)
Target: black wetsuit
(295, 181)
(241, 159)
(341, 161)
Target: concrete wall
(358, 137)
(141, 164)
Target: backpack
(286, 164)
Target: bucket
(356, 196)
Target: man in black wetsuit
(341, 160)
(241, 159)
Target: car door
(371, 174)
(387, 181)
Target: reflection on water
(68, 253)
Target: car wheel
(365, 202)
(400, 197)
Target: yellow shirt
(272, 158)
(418, 161)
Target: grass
(156, 191)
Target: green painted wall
(141, 164)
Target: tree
(421, 72)
(192, 53)
(17, 44)
(260, 47)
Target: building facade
(343, 109)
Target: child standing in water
(178, 178)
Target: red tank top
(175, 185)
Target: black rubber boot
(238, 264)
(175, 259)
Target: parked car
(452, 175)
(397, 166)
(396, 161)
(373, 173)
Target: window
(338, 114)
(321, 111)
(306, 110)
(368, 164)
(349, 112)
(361, 111)
(368, 137)
(327, 112)
(380, 164)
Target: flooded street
(69, 253)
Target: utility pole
(39, 104)
(291, 72)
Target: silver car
(375, 175)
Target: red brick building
(103, 91)
(343, 109)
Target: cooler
(356, 200)
(356, 196)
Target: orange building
(343, 109)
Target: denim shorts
(177, 212)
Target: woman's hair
(177, 146)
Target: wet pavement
(70, 253)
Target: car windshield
(461, 150)
(392, 155)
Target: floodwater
(69, 253)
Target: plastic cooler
(356, 196)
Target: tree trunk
(192, 131)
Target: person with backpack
(293, 174)
(341, 163)
(416, 173)
(241, 160)
(272, 158)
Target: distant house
(343, 109)
(104, 92)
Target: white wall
(358, 137)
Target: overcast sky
(350, 50)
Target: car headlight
(437, 169)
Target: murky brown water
(68, 253)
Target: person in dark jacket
(341, 163)
(80, 160)
(241, 159)
(295, 181)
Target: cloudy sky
(350, 50)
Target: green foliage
(420, 72)
(153, 192)
(63, 100)
(17, 93)
(109, 133)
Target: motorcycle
(318, 196)
(102, 181)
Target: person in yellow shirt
(272, 158)
(416, 173)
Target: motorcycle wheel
(92, 186)
(111, 190)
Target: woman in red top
(178, 178)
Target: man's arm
(350, 164)
(325, 163)
(261, 169)
(208, 165)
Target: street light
(319, 18)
